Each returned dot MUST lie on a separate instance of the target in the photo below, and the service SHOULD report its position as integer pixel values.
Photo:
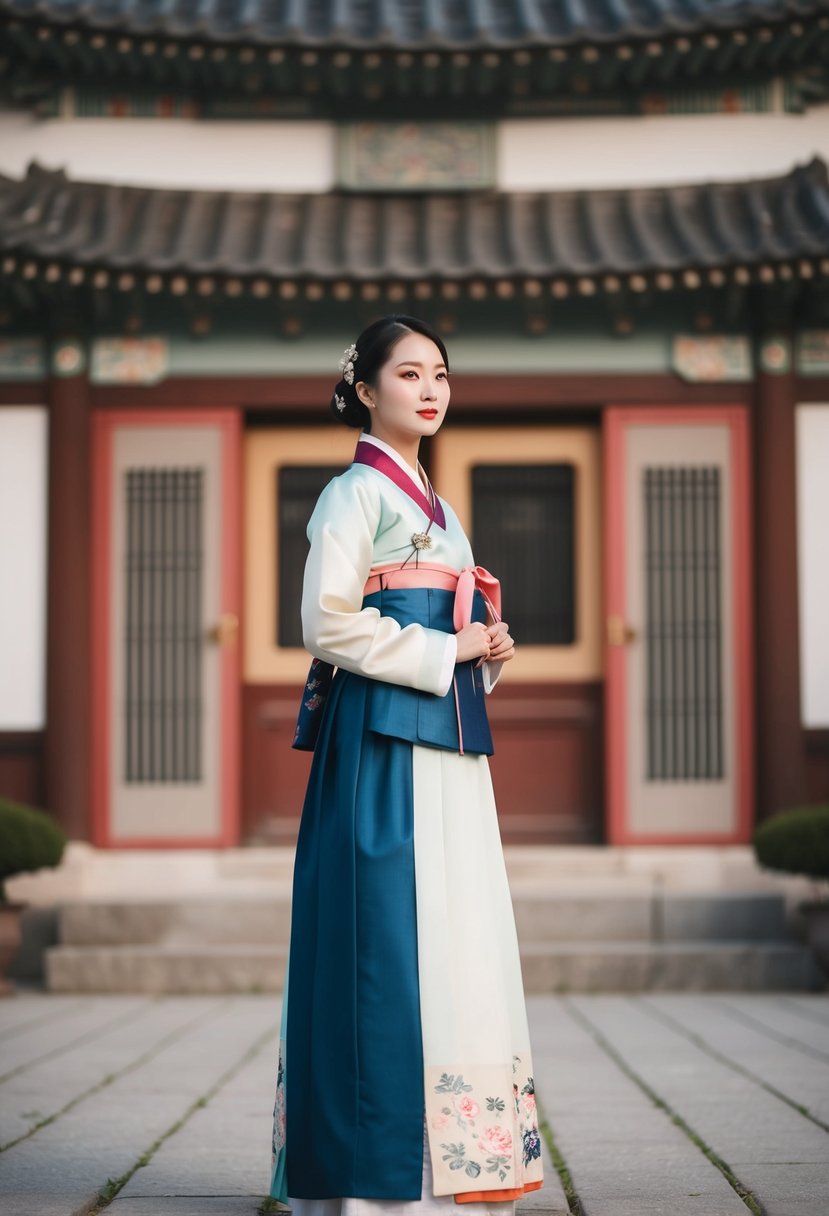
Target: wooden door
(678, 619)
(166, 609)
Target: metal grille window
(164, 628)
(297, 490)
(523, 530)
(684, 623)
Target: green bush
(796, 841)
(29, 839)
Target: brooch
(421, 540)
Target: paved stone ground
(660, 1103)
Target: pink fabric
(435, 574)
(468, 579)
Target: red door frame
(104, 425)
(616, 419)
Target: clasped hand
(485, 642)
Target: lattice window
(163, 627)
(683, 575)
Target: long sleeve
(335, 627)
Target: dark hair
(374, 346)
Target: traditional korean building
(617, 215)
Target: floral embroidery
(450, 1084)
(278, 1137)
(314, 702)
(456, 1156)
(505, 1145)
(466, 1107)
(497, 1142)
(495, 1139)
(532, 1144)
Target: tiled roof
(449, 24)
(58, 231)
(452, 57)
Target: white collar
(365, 437)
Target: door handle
(618, 633)
(225, 631)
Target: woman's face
(411, 395)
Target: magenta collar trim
(368, 453)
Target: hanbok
(404, 1078)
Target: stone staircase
(589, 920)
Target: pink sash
(435, 574)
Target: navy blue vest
(424, 717)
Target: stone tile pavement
(652, 1104)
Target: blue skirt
(353, 1099)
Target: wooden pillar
(781, 776)
(68, 593)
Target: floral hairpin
(339, 402)
(347, 364)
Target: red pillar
(781, 776)
(68, 593)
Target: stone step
(661, 917)
(193, 921)
(540, 917)
(689, 966)
(635, 966)
(165, 969)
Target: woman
(405, 1078)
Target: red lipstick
(428, 413)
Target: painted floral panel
(483, 1127)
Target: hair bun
(347, 407)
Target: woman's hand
(502, 646)
(485, 642)
(473, 642)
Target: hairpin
(347, 364)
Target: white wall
(651, 150)
(23, 540)
(182, 154)
(812, 422)
(532, 154)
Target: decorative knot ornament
(347, 364)
(421, 540)
(339, 402)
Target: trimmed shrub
(796, 841)
(29, 840)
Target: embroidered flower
(529, 1103)
(278, 1134)
(314, 702)
(496, 1140)
(532, 1145)
(439, 1122)
(466, 1106)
